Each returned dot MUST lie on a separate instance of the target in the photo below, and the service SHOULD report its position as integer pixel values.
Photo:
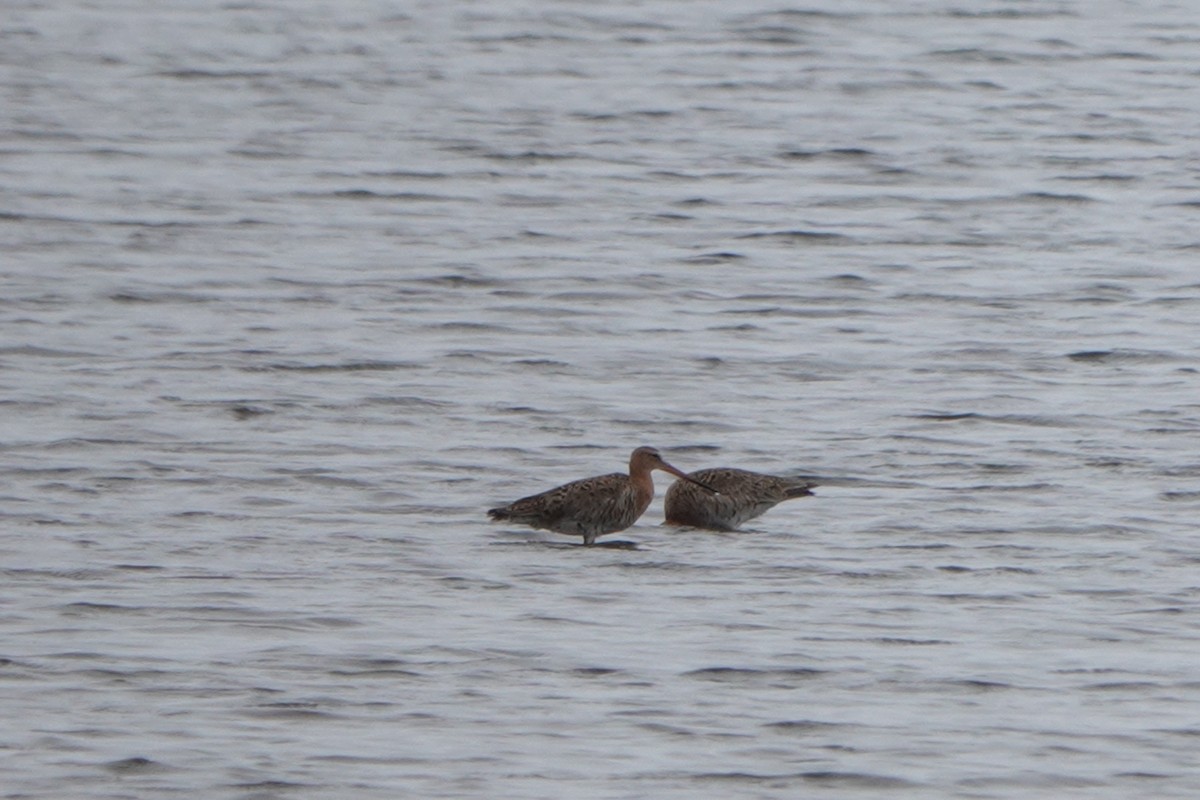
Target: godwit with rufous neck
(592, 507)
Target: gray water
(293, 292)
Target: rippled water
(294, 291)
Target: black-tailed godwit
(592, 507)
(740, 495)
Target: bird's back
(589, 507)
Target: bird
(593, 507)
(740, 495)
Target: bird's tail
(499, 513)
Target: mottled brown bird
(740, 495)
(592, 507)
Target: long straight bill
(681, 474)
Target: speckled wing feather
(589, 507)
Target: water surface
(293, 292)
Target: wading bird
(592, 507)
(739, 495)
